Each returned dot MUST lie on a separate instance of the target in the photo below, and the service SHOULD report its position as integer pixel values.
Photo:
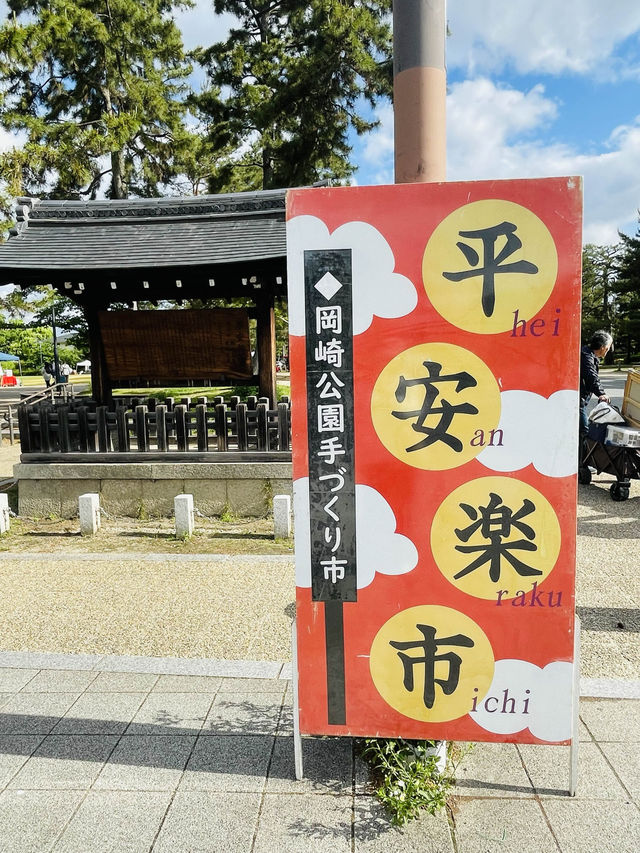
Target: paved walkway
(124, 753)
(107, 754)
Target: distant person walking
(47, 373)
(590, 355)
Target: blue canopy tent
(5, 356)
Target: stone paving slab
(31, 821)
(209, 821)
(591, 826)
(508, 826)
(210, 767)
(114, 822)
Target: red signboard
(434, 350)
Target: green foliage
(408, 775)
(26, 328)
(294, 77)
(599, 306)
(628, 285)
(227, 513)
(32, 346)
(611, 294)
(69, 317)
(98, 88)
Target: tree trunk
(267, 169)
(118, 189)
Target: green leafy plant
(227, 514)
(407, 775)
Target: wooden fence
(133, 425)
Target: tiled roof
(144, 233)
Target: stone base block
(145, 491)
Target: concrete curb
(590, 688)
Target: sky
(536, 88)
(540, 88)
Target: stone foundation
(139, 490)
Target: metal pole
(419, 90)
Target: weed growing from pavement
(407, 776)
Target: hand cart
(621, 462)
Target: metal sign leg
(297, 739)
(573, 752)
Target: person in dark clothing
(47, 373)
(590, 355)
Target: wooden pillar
(266, 335)
(101, 387)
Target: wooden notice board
(182, 345)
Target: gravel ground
(9, 456)
(183, 603)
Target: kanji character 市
(333, 569)
(428, 660)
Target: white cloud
(548, 712)
(498, 133)
(577, 36)
(378, 547)
(9, 139)
(486, 124)
(538, 430)
(377, 290)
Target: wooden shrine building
(108, 256)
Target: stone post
(282, 517)
(183, 509)
(89, 509)
(5, 523)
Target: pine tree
(98, 87)
(599, 288)
(628, 286)
(295, 79)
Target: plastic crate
(623, 435)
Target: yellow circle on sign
(431, 402)
(487, 260)
(430, 662)
(494, 537)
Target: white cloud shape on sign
(537, 430)
(378, 547)
(377, 290)
(548, 712)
